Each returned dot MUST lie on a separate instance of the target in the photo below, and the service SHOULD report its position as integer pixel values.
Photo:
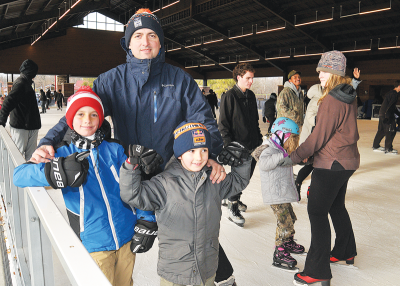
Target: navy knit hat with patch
(143, 19)
(190, 136)
(332, 62)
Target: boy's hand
(148, 159)
(145, 234)
(70, 171)
(233, 154)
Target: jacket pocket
(172, 214)
(175, 253)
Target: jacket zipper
(103, 192)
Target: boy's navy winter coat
(106, 223)
(147, 99)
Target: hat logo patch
(198, 137)
(137, 22)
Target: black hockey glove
(145, 234)
(147, 159)
(69, 171)
(233, 154)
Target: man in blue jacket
(146, 99)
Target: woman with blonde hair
(333, 144)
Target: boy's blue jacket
(147, 99)
(106, 222)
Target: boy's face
(195, 159)
(86, 121)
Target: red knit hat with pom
(85, 96)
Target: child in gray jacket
(186, 203)
(278, 188)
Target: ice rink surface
(373, 198)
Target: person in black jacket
(238, 121)
(48, 96)
(43, 100)
(21, 104)
(269, 111)
(212, 101)
(59, 98)
(387, 121)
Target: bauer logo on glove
(69, 171)
(147, 159)
(145, 234)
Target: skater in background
(238, 121)
(43, 100)
(269, 111)
(314, 94)
(59, 99)
(333, 143)
(277, 187)
(212, 101)
(185, 183)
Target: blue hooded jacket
(147, 99)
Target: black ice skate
(292, 247)
(346, 263)
(283, 260)
(234, 213)
(242, 206)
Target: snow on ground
(372, 202)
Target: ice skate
(242, 206)
(228, 282)
(234, 213)
(302, 279)
(283, 260)
(292, 247)
(224, 202)
(344, 263)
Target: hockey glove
(145, 234)
(233, 154)
(69, 171)
(147, 159)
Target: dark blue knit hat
(143, 19)
(190, 136)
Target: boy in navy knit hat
(186, 202)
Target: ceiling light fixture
(316, 19)
(173, 3)
(242, 35)
(387, 48)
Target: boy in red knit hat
(86, 168)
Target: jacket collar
(175, 168)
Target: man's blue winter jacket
(147, 99)
(106, 223)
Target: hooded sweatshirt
(336, 134)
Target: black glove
(264, 119)
(286, 162)
(70, 171)
(386, 120)
(233, 154)
(147, 159)
(145, 234)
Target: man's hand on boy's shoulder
(43, 154)
(148, 159)
(218, 173)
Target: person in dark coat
(48, 96)
(238, 121)
(22, 107)
(387, 121)
(43, 100)
(269, 111)
(59, 98)
(212, 101)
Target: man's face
(244, 82)
(296, 80)
(144, 44)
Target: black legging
(327, 195)
(303, 173)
